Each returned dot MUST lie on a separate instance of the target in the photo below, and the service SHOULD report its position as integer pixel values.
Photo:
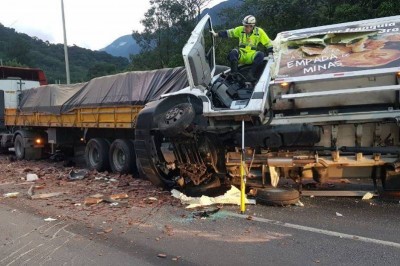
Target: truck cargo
(325, 106)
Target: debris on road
(46, 195)
(107, 230)
(98, 195)
(31, 177)
(30, 191)
(161, 255)
(119, 196)
(339, 214)
(92, 201)
(113, 199)
(368, 196)
(205, 213)
(152, 198)
(11, 195)
(77, 175)
(50, 219)
(232, 196)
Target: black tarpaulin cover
(130, 88)
(48, 98)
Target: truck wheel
(277, 196)
(19, 147)
(140, 173)
(122, 156)
(96, 154)
(176, 119)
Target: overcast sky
(91, 24)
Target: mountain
(215, 11)
(18, 49)
(126, 45)
(123, 46)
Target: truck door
(199, 54)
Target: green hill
(19, 49)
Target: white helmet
(249, 20)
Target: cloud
(90, 24)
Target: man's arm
(264, 39)
(231, 33)
(222, 34)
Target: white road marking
(317, 230)
(23, 254)
(15, 252)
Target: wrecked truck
(325, 106)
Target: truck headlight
(284, 85)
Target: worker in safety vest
(249, 37)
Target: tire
(140, 173)
(122, 156)
(277, 196)
(96, 154)
(176, 120)
(19, 147)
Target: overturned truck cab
(325, 106)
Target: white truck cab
(311, 68)
(223, 94)
(14, 80)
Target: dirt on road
(98, 200)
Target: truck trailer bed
(84, 117)
(105, 102)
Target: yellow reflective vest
(249, 43)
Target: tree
(13, 63)
(167, 25)
(18, 50)
(101, 69)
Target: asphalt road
(326, 231)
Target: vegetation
(167, 24)
(165, 35)
(18, 49)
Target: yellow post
(242, 175)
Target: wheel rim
(94, 156)
(173, 115)
(119, 159)
(18, 147)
